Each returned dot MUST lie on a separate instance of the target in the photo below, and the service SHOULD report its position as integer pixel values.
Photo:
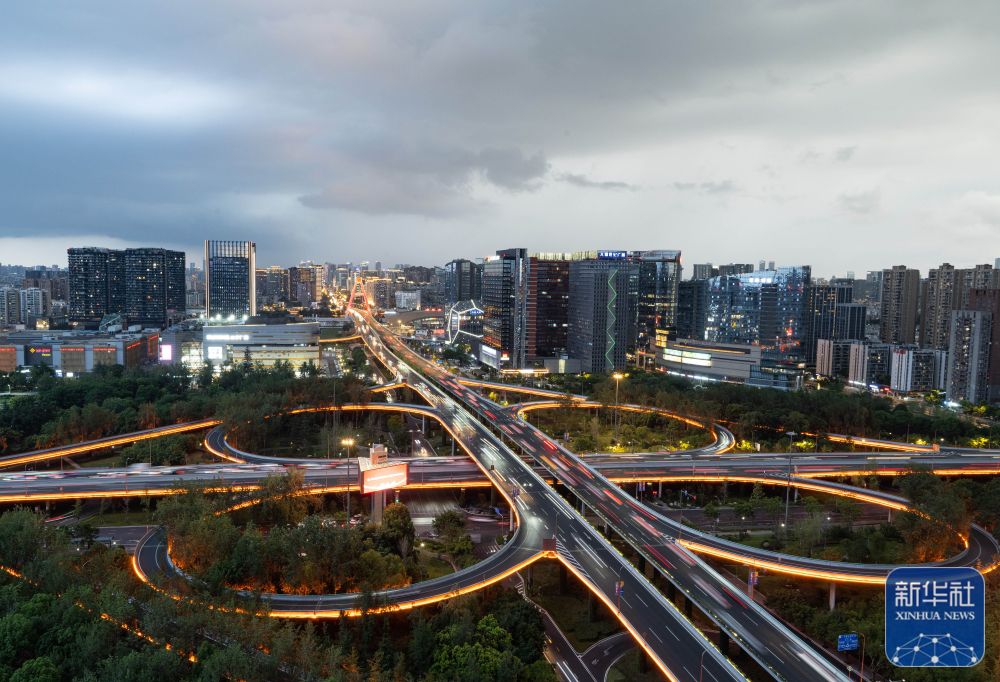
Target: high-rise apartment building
(10, 306)
(969, 355)
(96, 283)
(230, 279)
(33, 304)
(659, 274)
(463, 281)
(505, 306)
(899, 296)
(917, 370)
(601, 311)
(548, 306)
(154, 286)
(947, 290)
(870, 364)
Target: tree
(397, 530)
(40, 669)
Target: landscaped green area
(610, 430)
(629, 668)
(763, 416)
(72, 609)
(111, 400)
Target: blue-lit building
(767, 308)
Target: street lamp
(349, 443)
(788, 488)
(617, 376)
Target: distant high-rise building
(53, 282)
(899, 296)
(272, 286)
(10, 306)
(703, 271)
(692, 309)
(302, 285)
(734, 269)
(230, 279)
(96, 283)
(463, 281)
(659, 274)
(548, 306)
(601, 311)
(505, 306)
(969, 355)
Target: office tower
(766, 308)
(900, 290)
(703, 271)
(378, 267)
(692, 309)
(770, 265)
(917, 370)
(154, 286)
(850, 321)
(96, 283)
(10, 306)
(969, 356)
(988, 300)
(548, 306)
(463, 281)
(601, 311)
(302, 285)
(659, 274)
(505, 306)
(230, 279)
(823, 303)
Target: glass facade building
(230, 279)
(548, 306)
(659, 274)
(602, 311)
(505, 306)
(154, 286)
(766, 308)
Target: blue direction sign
(847, 642)
(935, 617)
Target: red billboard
(384, 478)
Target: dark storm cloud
(342, 130)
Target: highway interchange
(549, 526)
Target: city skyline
(794, 133)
